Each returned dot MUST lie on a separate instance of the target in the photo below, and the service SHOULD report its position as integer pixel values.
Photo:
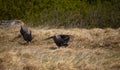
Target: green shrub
(67, 13)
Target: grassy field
(89, 49)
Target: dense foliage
(67, 13)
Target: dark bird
(27, 35)
(23, 30)
(60, 40)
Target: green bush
(66, 13)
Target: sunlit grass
(89, 49)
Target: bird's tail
(49, 38)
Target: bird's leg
(66, 45)
(28, 42)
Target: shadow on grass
(23, 43)
(53, 48)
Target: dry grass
(93, 49)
